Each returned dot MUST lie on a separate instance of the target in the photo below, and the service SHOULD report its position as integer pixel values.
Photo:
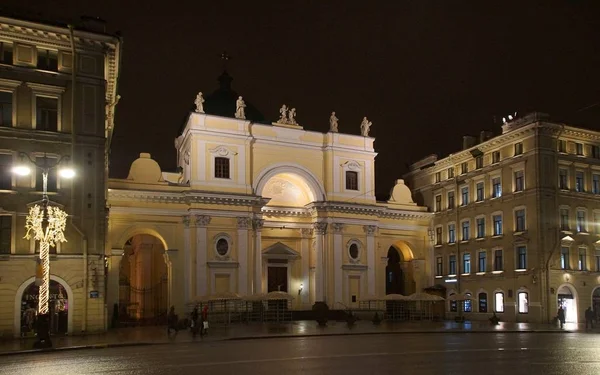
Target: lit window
(499, 302)
(496, 187)
(497, 225)
(466, 263)
(351, 180)
(581, 261)
(564, 258)
(468, 305)
(453, 305)
(221, 168)
(451, 233)
(523, 302)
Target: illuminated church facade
(256, 208)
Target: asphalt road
(447, 354)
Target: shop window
(499, 302)
(483, 303)
(523, 302)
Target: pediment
(280, 251)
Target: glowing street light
(46, 224)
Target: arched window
(523, 302)
(483, 302)
(499, 302)
(468, 303)
(453, 305)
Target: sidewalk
(242, 331)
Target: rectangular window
(579, 182)
(5, 234)
(523, 302)
(439, 266)
(520, 221)
(499, 302)
(579, 149)
(482, 263)
(221, 167)
(464, 167)
(466, 263)
(46, 113)
(479, 162)
(450, 200)
(450, 172)
(438, 203)
(47, 60)
(451, 233)
(464, 196)
(468, 306)
(564, 258)
(438, 176)
(480, 195)
(521, 257)
(452, 265)
(438, 235)
(496, 187)
(483, 305)
(466, 229)
(519, 181)
(518, 148)
(581, 225)
(39, 179)
(6, 108)
(6, 172)
(596, 184)
(6, 53)
(498, 264)
(480, 227)
(564, 219)
(581, 263)
(562, 146)
(563, 179)
(495, 157)
(596, 151)
(497, 219)
(351, 180)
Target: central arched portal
(394, 278)
(143, 283)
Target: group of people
(590, 317)
(198, 322)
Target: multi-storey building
(57, 94)
(517, 220)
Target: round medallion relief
(353, 251)
(222, 247)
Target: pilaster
(242, 230)
(202, 222)
(257, 225)
(370, 231)
(337, 262)
(320, 230)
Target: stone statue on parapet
(283, 115)
(199, 103)
(292, 117)
(240, 111)
(333, 123)
(365, 126)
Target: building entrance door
(277, 279)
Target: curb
(78, 347)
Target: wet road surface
(464, 354)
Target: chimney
(485, 135)
(468, 141)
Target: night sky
(424, 72)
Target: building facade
(55, 84)
(516, 221)
(257, 208)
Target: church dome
(221, 102)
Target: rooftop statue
(283, 115)
(333, 123)
(365, 125)
(239, 108)
(292, 116)
(199, 103)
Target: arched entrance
(394, 278)
(567, 299)
(143, 281)
(596, 301)
(60, 304)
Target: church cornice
(186, 197)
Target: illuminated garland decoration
(48, 237)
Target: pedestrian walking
(194, 323)
(589, 318)
(205, 319)
(172, 322)
(561, 316)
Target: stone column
(242, 230)
(337, 262)
(307, 235)
(370, 231)
(257, 225)
(419, 274)
(320, 230)
(112, 279)
(187, 256)
(202, 246)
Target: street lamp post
(44, 223)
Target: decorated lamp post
(45, 223)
